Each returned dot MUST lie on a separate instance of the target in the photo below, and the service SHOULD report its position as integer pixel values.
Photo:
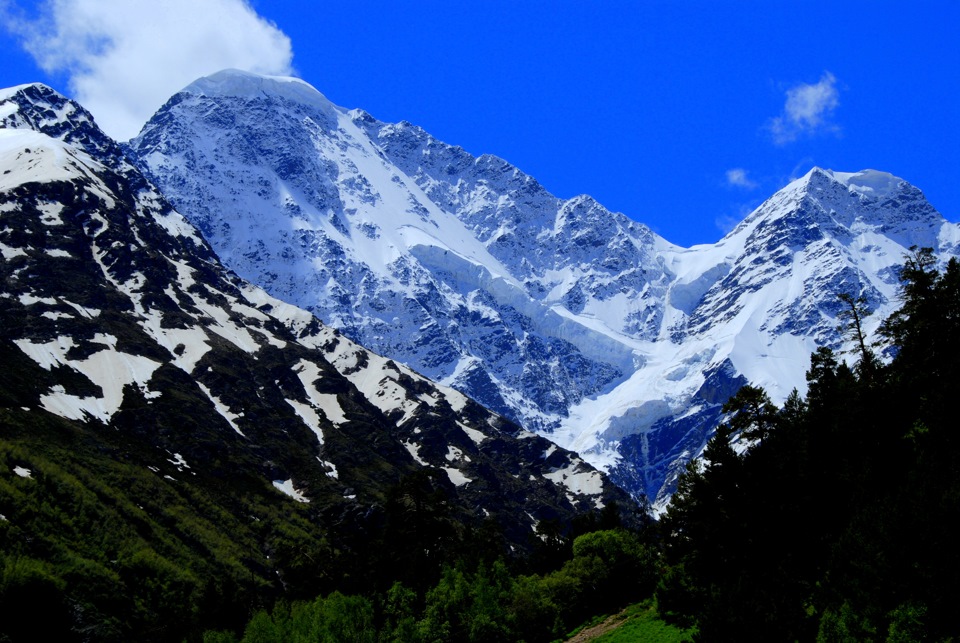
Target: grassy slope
(92, 534)
(638, 623)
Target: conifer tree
(852, 316)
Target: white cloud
(737, 177)
(807, 110)
(125, 58)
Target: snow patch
(377, 381)
(293, 317)
(286, 486)
(89, 313)
(456, 476)
(309, 416)
(177, 226)
(237, 335)
(11, 253)
(476, 436)
(186, 345)
(179, 462)
(577, 479)
(329, 468)
(871, 183)
(110, 369)
(28, 299)
(454, 454)
(50, 213)
(222, 409)
(34, 157)
(414, 450)
(325, 403)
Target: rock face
(115, 313)
(571, 320)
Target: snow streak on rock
(117, 313)
(577, 322)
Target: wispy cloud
(799, 169)
(727, 222)
(737, 177)
(124, 58)
(808, 110)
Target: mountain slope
(754, 306)
(576, 322)
(120, 328)
(296, 195)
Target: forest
(839, 523)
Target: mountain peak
(248, 85)
(9, 92)
(872, 184)
(40, 108)
(557, 313)
(835, 198)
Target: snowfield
(580, 324)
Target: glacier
(578, 323)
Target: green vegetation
(642, 624)
(99, 549)
(485, 604)
(104, 548)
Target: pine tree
(852, 316)
(751, 413)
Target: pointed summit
(845, 204)
(872, 184)
(866, 185)
(42, 109)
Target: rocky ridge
(116, 314)
(576, 322)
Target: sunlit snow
(586, 326)
(456, 476)
(111, 370)
(286, 486)
(577, 479)
(414, 450)
(223, 409)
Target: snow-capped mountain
(458, 280)
(576, 322)
(115, 313)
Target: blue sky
(682, 115)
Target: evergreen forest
(840, 522)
